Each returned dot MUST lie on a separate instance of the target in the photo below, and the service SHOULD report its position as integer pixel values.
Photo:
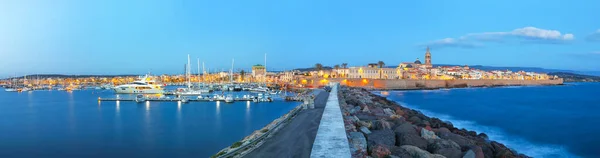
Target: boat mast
(265, 77)
(203, 72)
(231, 72)
(188, 72)
(198, 71)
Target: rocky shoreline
(377, 127)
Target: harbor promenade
(296, 138)
(331, 138)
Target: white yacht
(229, 99)
(142, 86)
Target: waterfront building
(374, 72)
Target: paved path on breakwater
(296, 138)
(331, 138)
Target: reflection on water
(218, 107)
(76, 123)
(118, 106)
(147, 105)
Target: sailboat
(188, 91)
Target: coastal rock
(366, 109)
(469, 154)
(399, 152)
(365, 116)
(354, 109)
(364, 130)
(405, 128)
(415, 120)
(367, 124)
(395, 116)
(398, 121)
(416, 152)
(411, 139)
(458, 139)
(377, 111)
(474, 152)
(447, 148)
(389, 111)
(358, 142)
(398, 111)
(381, 137)
(483, 136)
(501, 150)
(382, 124)
(380, 151)
(427, 134)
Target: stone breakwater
(377, 127)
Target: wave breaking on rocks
(378, 127)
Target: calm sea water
(540, 121)
(63, 124)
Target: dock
(183, 99)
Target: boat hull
(132, 90)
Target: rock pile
(377, 127)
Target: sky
(140, 36)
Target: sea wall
(434, 84)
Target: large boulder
(380, 151)
(411, 139)
(427, 134)
(501, 151)
(458, 139)
(415, 120)
(365, 130)
(365, 116)
(405, 128)
(358, 142)
(381, 137)
(399, 152)
(383, 124)
(416, 152)
(474, 152)
(447, 148)
(388, 111)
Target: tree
(381, 65)
(319, 66)
(345, 66)
(242, 74)
(336, 67)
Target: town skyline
(109, 38)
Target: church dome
(418, 61)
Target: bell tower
(427, 57)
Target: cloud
(524, 35)
(594, 37)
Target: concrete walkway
(296, 138)
(331, 141)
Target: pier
(172, 99)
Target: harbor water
(76, 124)
(540, 121)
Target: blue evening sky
(137, 36)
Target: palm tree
(336, 67)
(242, 74)
(381, 64)
(319, 66)
(345, 66)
